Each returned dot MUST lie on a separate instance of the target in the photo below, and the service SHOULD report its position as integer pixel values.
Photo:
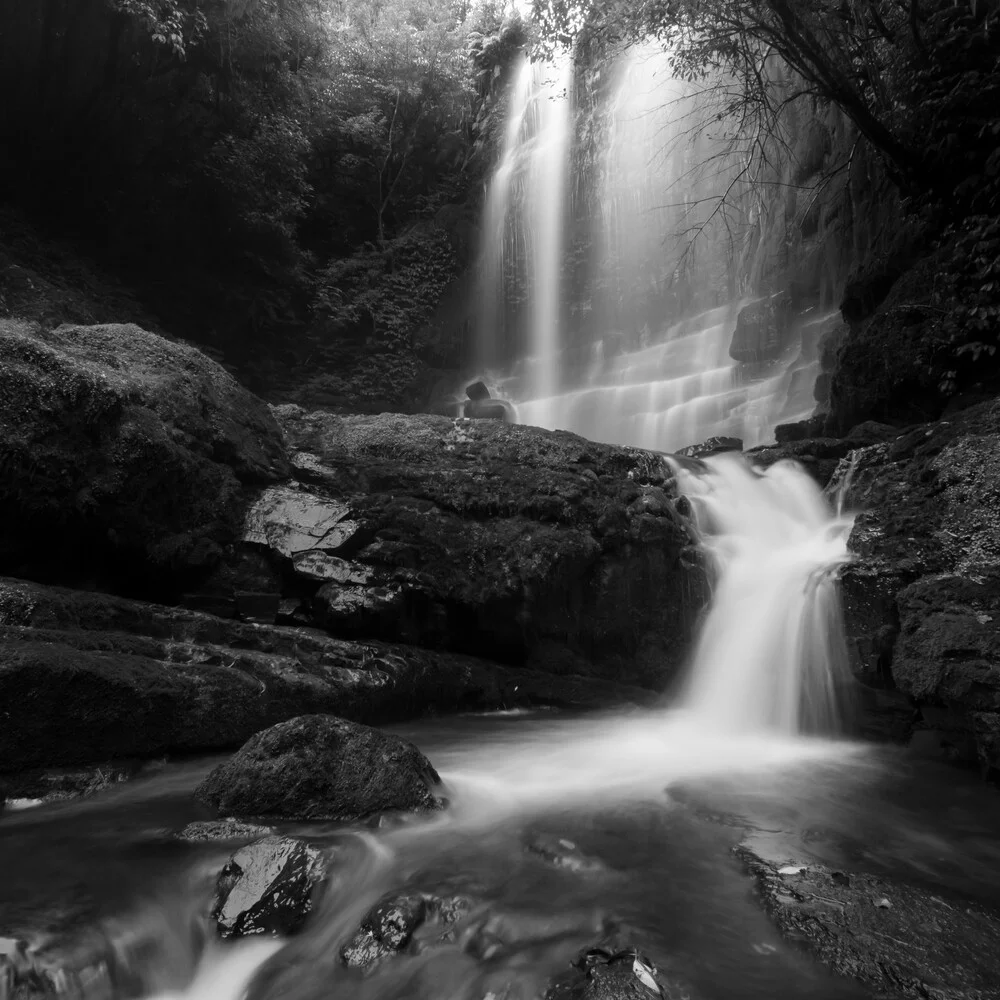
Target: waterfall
(770, 655)
(495, 236)
(549, 166)
(524, 222)
(645, 358)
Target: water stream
(630, 792)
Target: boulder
(125, 455)
(320, 767)
(268, 887)
(486, 538)
(108, 678)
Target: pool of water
(653, 803)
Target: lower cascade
(770, 656)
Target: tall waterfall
(642, 357)
(770, 654)
(524, 225)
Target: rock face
(321, 767)
(106, 678)
(921, 325)
(268, 887)
(536, 548)
(123, 450)
(922, 602)
(762, 330)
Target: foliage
(390, 290)
(245, 150)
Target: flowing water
(612, 269)
(637, 795)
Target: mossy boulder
(320, 767)
(125, 451)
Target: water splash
(770, 656)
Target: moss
(119, 446)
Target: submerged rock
(391, 926)
(223, 829)
(268, 887)
(562, 853)
(920, 945)
(321, 767)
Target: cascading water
(639, 362)
(524, 221)
(770, 655)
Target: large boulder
(87, 677)
(537, 548)
(922, 599)
(123, 454)
(321, 767)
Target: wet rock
(490, 409)
(494, 539)
(920, 945)
(477, 391)
(321, 767)
(713, 446)
(389, 928)
(62, 784)
(223, 829)
(818, 456)
(297, 524)
(268, 887)
(124, 452)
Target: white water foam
(770, 656)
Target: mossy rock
(122, 449)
